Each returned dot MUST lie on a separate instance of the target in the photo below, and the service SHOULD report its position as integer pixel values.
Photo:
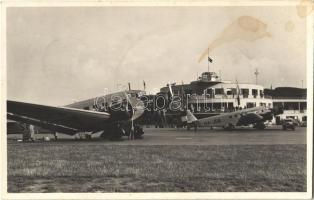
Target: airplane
(112, 114)
(243, 117)
(256, 116)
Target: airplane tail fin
(190, 117)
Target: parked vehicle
(288, 124)
(303, 124)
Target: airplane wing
(60, 119)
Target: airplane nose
(123, 112)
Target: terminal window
(261, 93)
(254, 93)
(209, 91)
(231, 91)
(250, 104)
(219, 91)
(245, 93)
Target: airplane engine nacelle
(160, 102)
(277, 110)
(121, 113)
(165, 101)
(268, 116)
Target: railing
(199, 97)
(288, 97)
(267, 97)
(287, 112)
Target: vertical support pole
(208, 60)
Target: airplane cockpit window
(132, 95)
(137, 94)
(140, 94)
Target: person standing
(32, 132)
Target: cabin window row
(233, 91)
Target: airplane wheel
(88, 137)
(138, 132)
(229, 127)
(260, 126)
(116, 134)
(115, 138)
(112, 133)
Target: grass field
(85, 167)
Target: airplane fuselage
(242, 117)
(114, 114)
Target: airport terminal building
(209, 95)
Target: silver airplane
(256, 116)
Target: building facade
(210, 95)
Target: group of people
(30, 131)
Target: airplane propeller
(137, 109)
(184, 107)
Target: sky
(56, 56)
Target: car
(288, 124)
(296, 122)
(303, 124)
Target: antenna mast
(256, 75)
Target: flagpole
(208, 60)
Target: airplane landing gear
(138, 132)
(88, 136)
(191, 125)
(229, 127)
(55, 134)
(113, 133)
(259, 126)
(116, 131)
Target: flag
(210, 60)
